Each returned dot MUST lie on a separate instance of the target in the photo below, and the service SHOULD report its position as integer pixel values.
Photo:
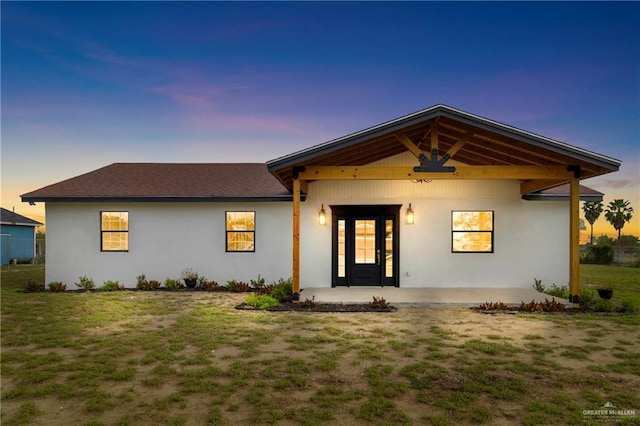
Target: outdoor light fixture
(409, 215)
(322, 216)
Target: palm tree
(592, 212)
(617, 213)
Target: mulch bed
(321, 307)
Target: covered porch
(444, 144)
(427, 296)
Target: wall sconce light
(410, 215)
(322, 216)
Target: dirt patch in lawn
(192, 358)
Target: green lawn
(190, 358)
(624, 280)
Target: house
(18, 237)
(437, 198)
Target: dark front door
(365, 265)
(365, 245)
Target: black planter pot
(605, 293)
(191, 283)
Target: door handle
(378, 257)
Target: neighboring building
(436, 198)
(18, 237)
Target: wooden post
(296, 235)
(574, 241)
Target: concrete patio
(430, 296)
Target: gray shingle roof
(11, 218)
(168, 181)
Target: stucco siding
(165, 238)
(530, 238)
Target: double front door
(365, 245)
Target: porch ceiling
(487, 143)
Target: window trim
(491, 232)
(227, 231)
(103, 232)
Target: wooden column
(574, 241)
(296, 236)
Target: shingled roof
(7, 217)
(561, 193)
(168, 182)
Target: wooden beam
(434, 136)
(574, 241)
(407, 173)
(408, 143)
(538, 185)
(458, 145)
(296, 236)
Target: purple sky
(88, 84)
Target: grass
(625, 281)
(189, 358)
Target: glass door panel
(388, 248)
(365, 241)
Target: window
(114, 231)
(241, 231)
(472, 231)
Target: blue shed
(18, 234)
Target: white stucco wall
(165, 238)
(531, 238)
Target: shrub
(210, 285)
(33, 287)
(495, 306)
(379, 303)
(307, 303)
(546, 306)
(282, 290)
(261, 301)
(603, 306)
(57, 287)
(601, 253)
(537, 284)
(554, 290)
(237, 286)
(588, 298)
(267, 289)
(140, 281)
(111, 286)
(143, 284)
(171, 284)
(258, 283)
(85, 283)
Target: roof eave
(562, 197)
(300, 157)
(138, 199)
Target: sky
(87, 84)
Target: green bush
(282, 290)
(262, 301)
(588, 297)
(171, 284)
(85, 283)
(112, 286)
(600, 254)
(258, 283)
(57, 287)
(603, 306)
(33, 287)
(237, 286)
(554, 290)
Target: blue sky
(88, 84)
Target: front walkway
(430, 296)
